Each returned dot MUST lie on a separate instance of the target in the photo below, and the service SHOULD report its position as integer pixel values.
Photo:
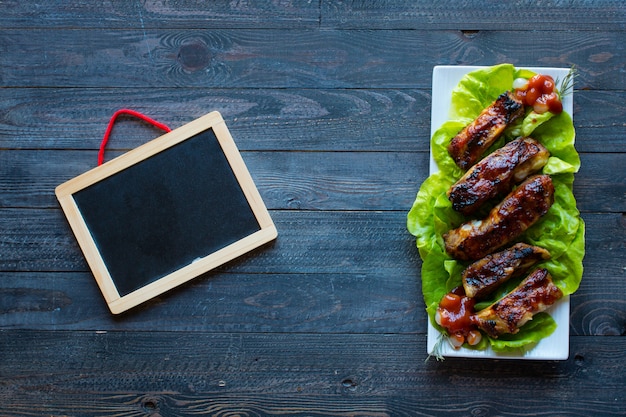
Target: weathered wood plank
(337, 242)
(474, 15)
(407, 14)
(315, 119)
(265, 119)
(335, 284)
(600, 174)
(377, 302)
(599, 305)
(334, 265)
(287, 180)
(133, 373)
(305, 180)
(303, 59)
(160, 14)
(598, 119)
(223, 302)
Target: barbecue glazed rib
(488, 273)
(469, 144)
(535, 294)
(519, 210)
(497, 173)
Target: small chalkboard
(166, 212)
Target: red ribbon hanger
(134, 113)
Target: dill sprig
(565, 86)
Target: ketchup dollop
(540, 93)
(454, 314)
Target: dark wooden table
(329, 102)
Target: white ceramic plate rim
(555, 346)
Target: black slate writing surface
(163, 213)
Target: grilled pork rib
(488, 273)
(519, 210)
(497, 173)
(467, 146)
(535, 294)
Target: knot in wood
(194, 56)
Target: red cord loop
(107, 133)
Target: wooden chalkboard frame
(67, 191)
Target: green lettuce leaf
(472, 92)
(542, 325)
(561, 231)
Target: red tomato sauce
(455, 310)
(540, 93)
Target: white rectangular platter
(556, 346)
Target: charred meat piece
(485, 275)
(518, 211)
(535, 294)
(467, 146)
(497, 173)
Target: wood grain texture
(287, 180)
(265, 119)
(341, 279)
(337, 242)
(161, 14)
(329, 101)
(224, 301)
(473, 16)
(251, 58)
(259, 374)
(306, 180)
(405, 14)
(259, 119)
